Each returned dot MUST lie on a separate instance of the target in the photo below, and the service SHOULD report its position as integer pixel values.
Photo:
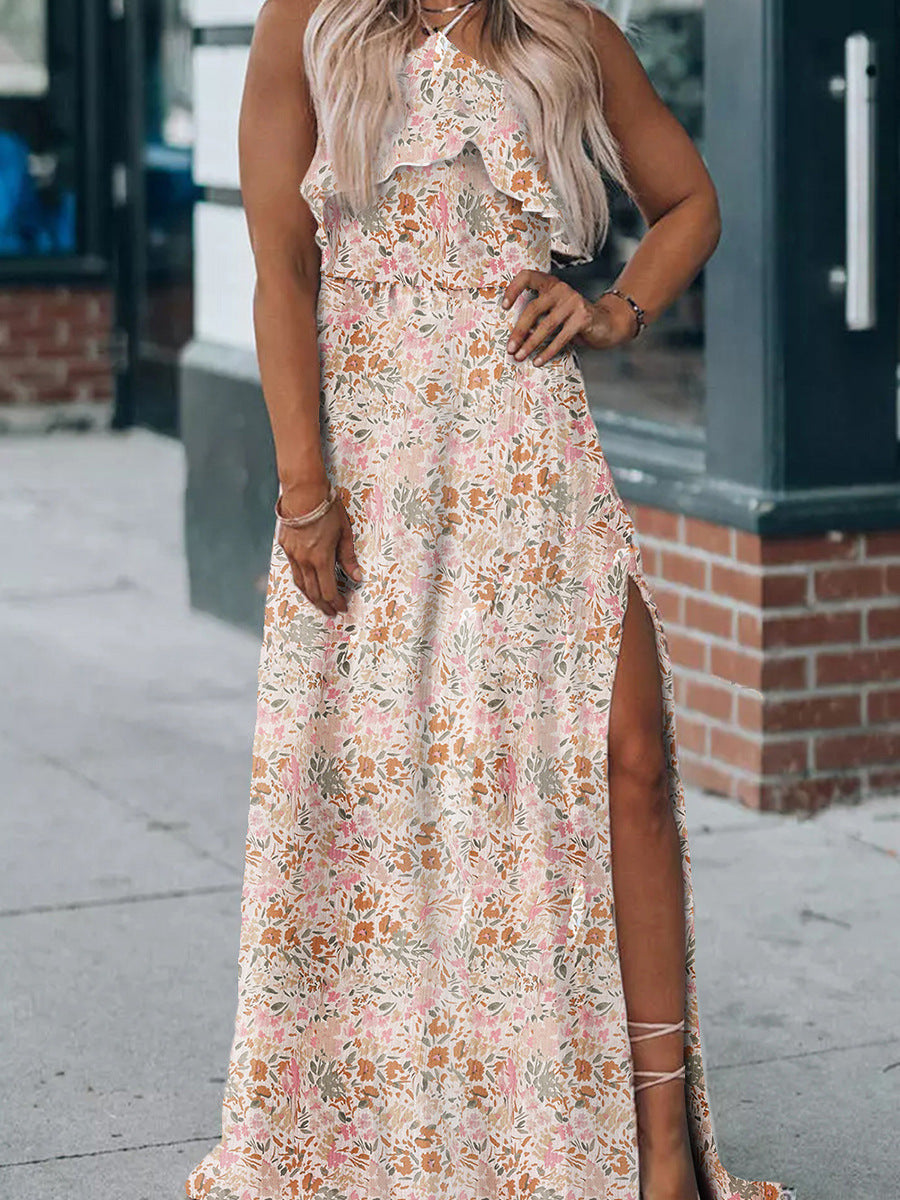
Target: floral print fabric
(451, 100)
(430, 1000)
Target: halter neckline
(446, 28)
(475, 63)
(441, 31)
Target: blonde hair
(354, 51)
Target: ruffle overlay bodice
(461, 197)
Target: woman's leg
(649, 899)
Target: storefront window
(38, 112)
(660, 377)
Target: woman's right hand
(315, 549)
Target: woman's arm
(276, 142)
(674, 191)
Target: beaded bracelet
(638, 311)
(308, 517)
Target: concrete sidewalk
(125, 736)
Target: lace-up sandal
(658, 1028)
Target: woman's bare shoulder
(607, 38)
(280, 20)
(277, 136)
(276, 49)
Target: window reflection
(37, 136)
(661, 376)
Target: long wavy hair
(354, 51)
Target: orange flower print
(416, 1015)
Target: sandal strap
(659, 1027)
(661, 1077)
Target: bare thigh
(636, 737)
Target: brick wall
(55, 368)
(786, 654)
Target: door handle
(857, 87)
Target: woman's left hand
(562, 314)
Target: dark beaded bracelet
(638, 311)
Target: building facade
(753, 431)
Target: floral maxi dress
(430, 998)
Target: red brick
(856, 749)
(735, 749)
(883, 623)
(749, 631)
(655, 522)
(820, 548)
(23, 320)
(650, 555)
(883, 705)
(849, 583)
(882, 542)
(74, 312)
(705, 535)
(708, 617)
(888, 781)
(750, 712)
(669, 601)
(858, 666)
(700, 772)
(711, 699)
(812, 712)
(57, 301)
(31, 370)
(53, 344)
(687, 651)
(746, 586)
(749, 792)
(681, 568)
(811, 629)
(40, 347)
(747, 547)
(692, 735)
(782, 674)
(87, 369)
(892, 580)
(785, 591)
(782, 757)
(78, 332)
(52, 390)
(808, 795)
(736, 666)
(22, 349)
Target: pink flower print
(290, 1078)
(440, 211)
(508, 1078)
(335, 1158)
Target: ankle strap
(659, 1027)
(661, 1077)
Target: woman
(438, 997)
